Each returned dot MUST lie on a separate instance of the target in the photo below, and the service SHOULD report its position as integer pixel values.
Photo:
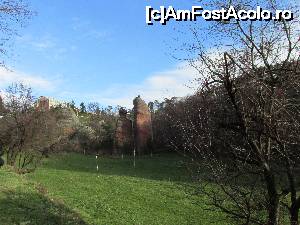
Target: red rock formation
(142, 125)
(123, 134)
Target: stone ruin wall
(43, 103)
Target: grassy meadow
(68, 189)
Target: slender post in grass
(134, 157)
(133, 143)
(97, 167)
(152, 136)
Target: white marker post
(133, 139)
(97, 163)
(134, 158)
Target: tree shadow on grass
(168, 167)
(32, 208)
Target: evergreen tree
(82, 108)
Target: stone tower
(123, 134)
(142, 126)
(43, 103)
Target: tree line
(29, 133)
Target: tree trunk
(294, 212)
(295, 203)
(273, 218)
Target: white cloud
(86, 30)
(8, 77)
(44, 44)
(47, 45)
(79, 24)
(176, 82)
(41, 43)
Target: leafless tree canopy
(26, 133)
(13, 15)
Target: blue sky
(103, 51)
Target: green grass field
(67, 189)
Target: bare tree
(246, 129)
(27, 133)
